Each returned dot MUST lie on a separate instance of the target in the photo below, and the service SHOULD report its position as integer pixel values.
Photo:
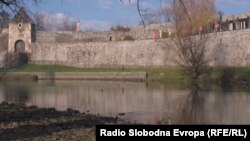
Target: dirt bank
(18, 122)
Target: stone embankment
(126, 76)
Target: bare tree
(191, 19)
(4, 18)
(120, 28)
(152, 18)
(47, 22)
(140, 10)
(40, 21)
(143, 12)
(14, 5)
(67, 24)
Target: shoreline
(211, 75)
(121, 76)
(19, 122)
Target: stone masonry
(229, 48)
(21, 33)
(109, 49)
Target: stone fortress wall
(102, 49)
(148, 46)
(229, 48)
(136, 33)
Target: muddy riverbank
(21, 123)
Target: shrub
(165, 35)
(120, 28)
(128, 38)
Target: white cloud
(95, 25)
(105, 4)
(57, 21)
(53, 20)
(59, 16)
(53, 16)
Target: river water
(138, 102)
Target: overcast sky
(101, 14)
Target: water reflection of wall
(141, 102)
(216, 108)
(111, 98)
(232, 108)
(2, 98)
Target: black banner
(173, 132)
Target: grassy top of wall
(154, 74)
(218, 75)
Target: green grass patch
(227, 74)
(46, 68)
(166, 74)
(173, 74)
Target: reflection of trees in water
(231, 106)
(227, 79)
(193, 109)
(215, 107)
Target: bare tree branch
(14, 5)
(184, 7)
(190, 38)
(140, 12)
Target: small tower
(21, 33)
(78, 28)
